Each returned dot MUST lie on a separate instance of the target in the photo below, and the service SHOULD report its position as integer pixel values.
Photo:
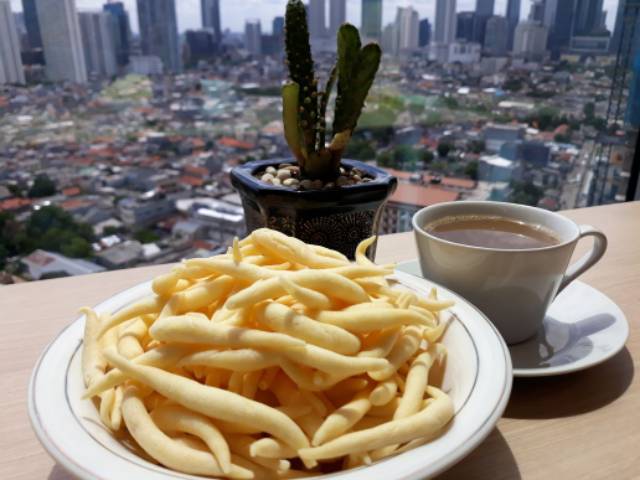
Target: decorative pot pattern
(335, 218)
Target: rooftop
(422, 196)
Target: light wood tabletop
(580, 426)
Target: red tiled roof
(445, 181)
(561, 130)
(234, 143)
(203, 244)
(197, 143)
(192, 181)
(196, 171)
(422, 196)
(14, 203)
(454, 182)
(71, 191)
(40, 258)
(75, 203)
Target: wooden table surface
(581, 426)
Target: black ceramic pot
(337, 218)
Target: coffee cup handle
(589, 259)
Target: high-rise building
(317, 24)
(558, 18)
(61, 40)
(424, 36)
(513, 17)
(496, 38)
(587, 17)
(445, 28)
(465, 26)
(210, 10)
(200, 45)
(159, 32)
(11, 70)
(278, 26)
(253, 37)
(98, 43)
(31, 21)
(530, 41)
(21, 28)
(372, 18)
(389, 38)
(485, 7)
(121, 31)
(406, 29)
(337, 15)
(536, 13)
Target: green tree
(589, 110)
(42, 186)
(51, 228)
(525, 193)
(385, 159)
(477, 146)
(443, 149)
(146, 236)
(513, 85)
(471, 170)
(360, 149)
(427, 156)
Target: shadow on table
(59, 473)
(572, 394)
(493, 455)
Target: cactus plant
(304, 107)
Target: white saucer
(583, 328)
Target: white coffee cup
(514, 288)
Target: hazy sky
(235, 12)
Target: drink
(491, 232)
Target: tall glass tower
(372, 18)
(159, 32)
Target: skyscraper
(61, 40)
(558, 18)
(317, 24)
(485, 7)
(513, 17)
(11, 70)
(537, 13)
(31, 21)
(121, 30)
(465, 26)
(210, 10)
(337, 15)
(530, 40)
(278, 26)
(424, 36)
(372, 18)
(406, 30)
(159, 31)
(445, 21)
(587, 17)
(200, 45)
(253, 36)
(98, 43)
(496, 38)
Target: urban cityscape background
(120, 121)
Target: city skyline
(234, 13)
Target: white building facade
(98, 43)
(11, 70)
(61, 40)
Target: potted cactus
(318, 196)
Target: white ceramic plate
(582, 328)
(478, 377)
